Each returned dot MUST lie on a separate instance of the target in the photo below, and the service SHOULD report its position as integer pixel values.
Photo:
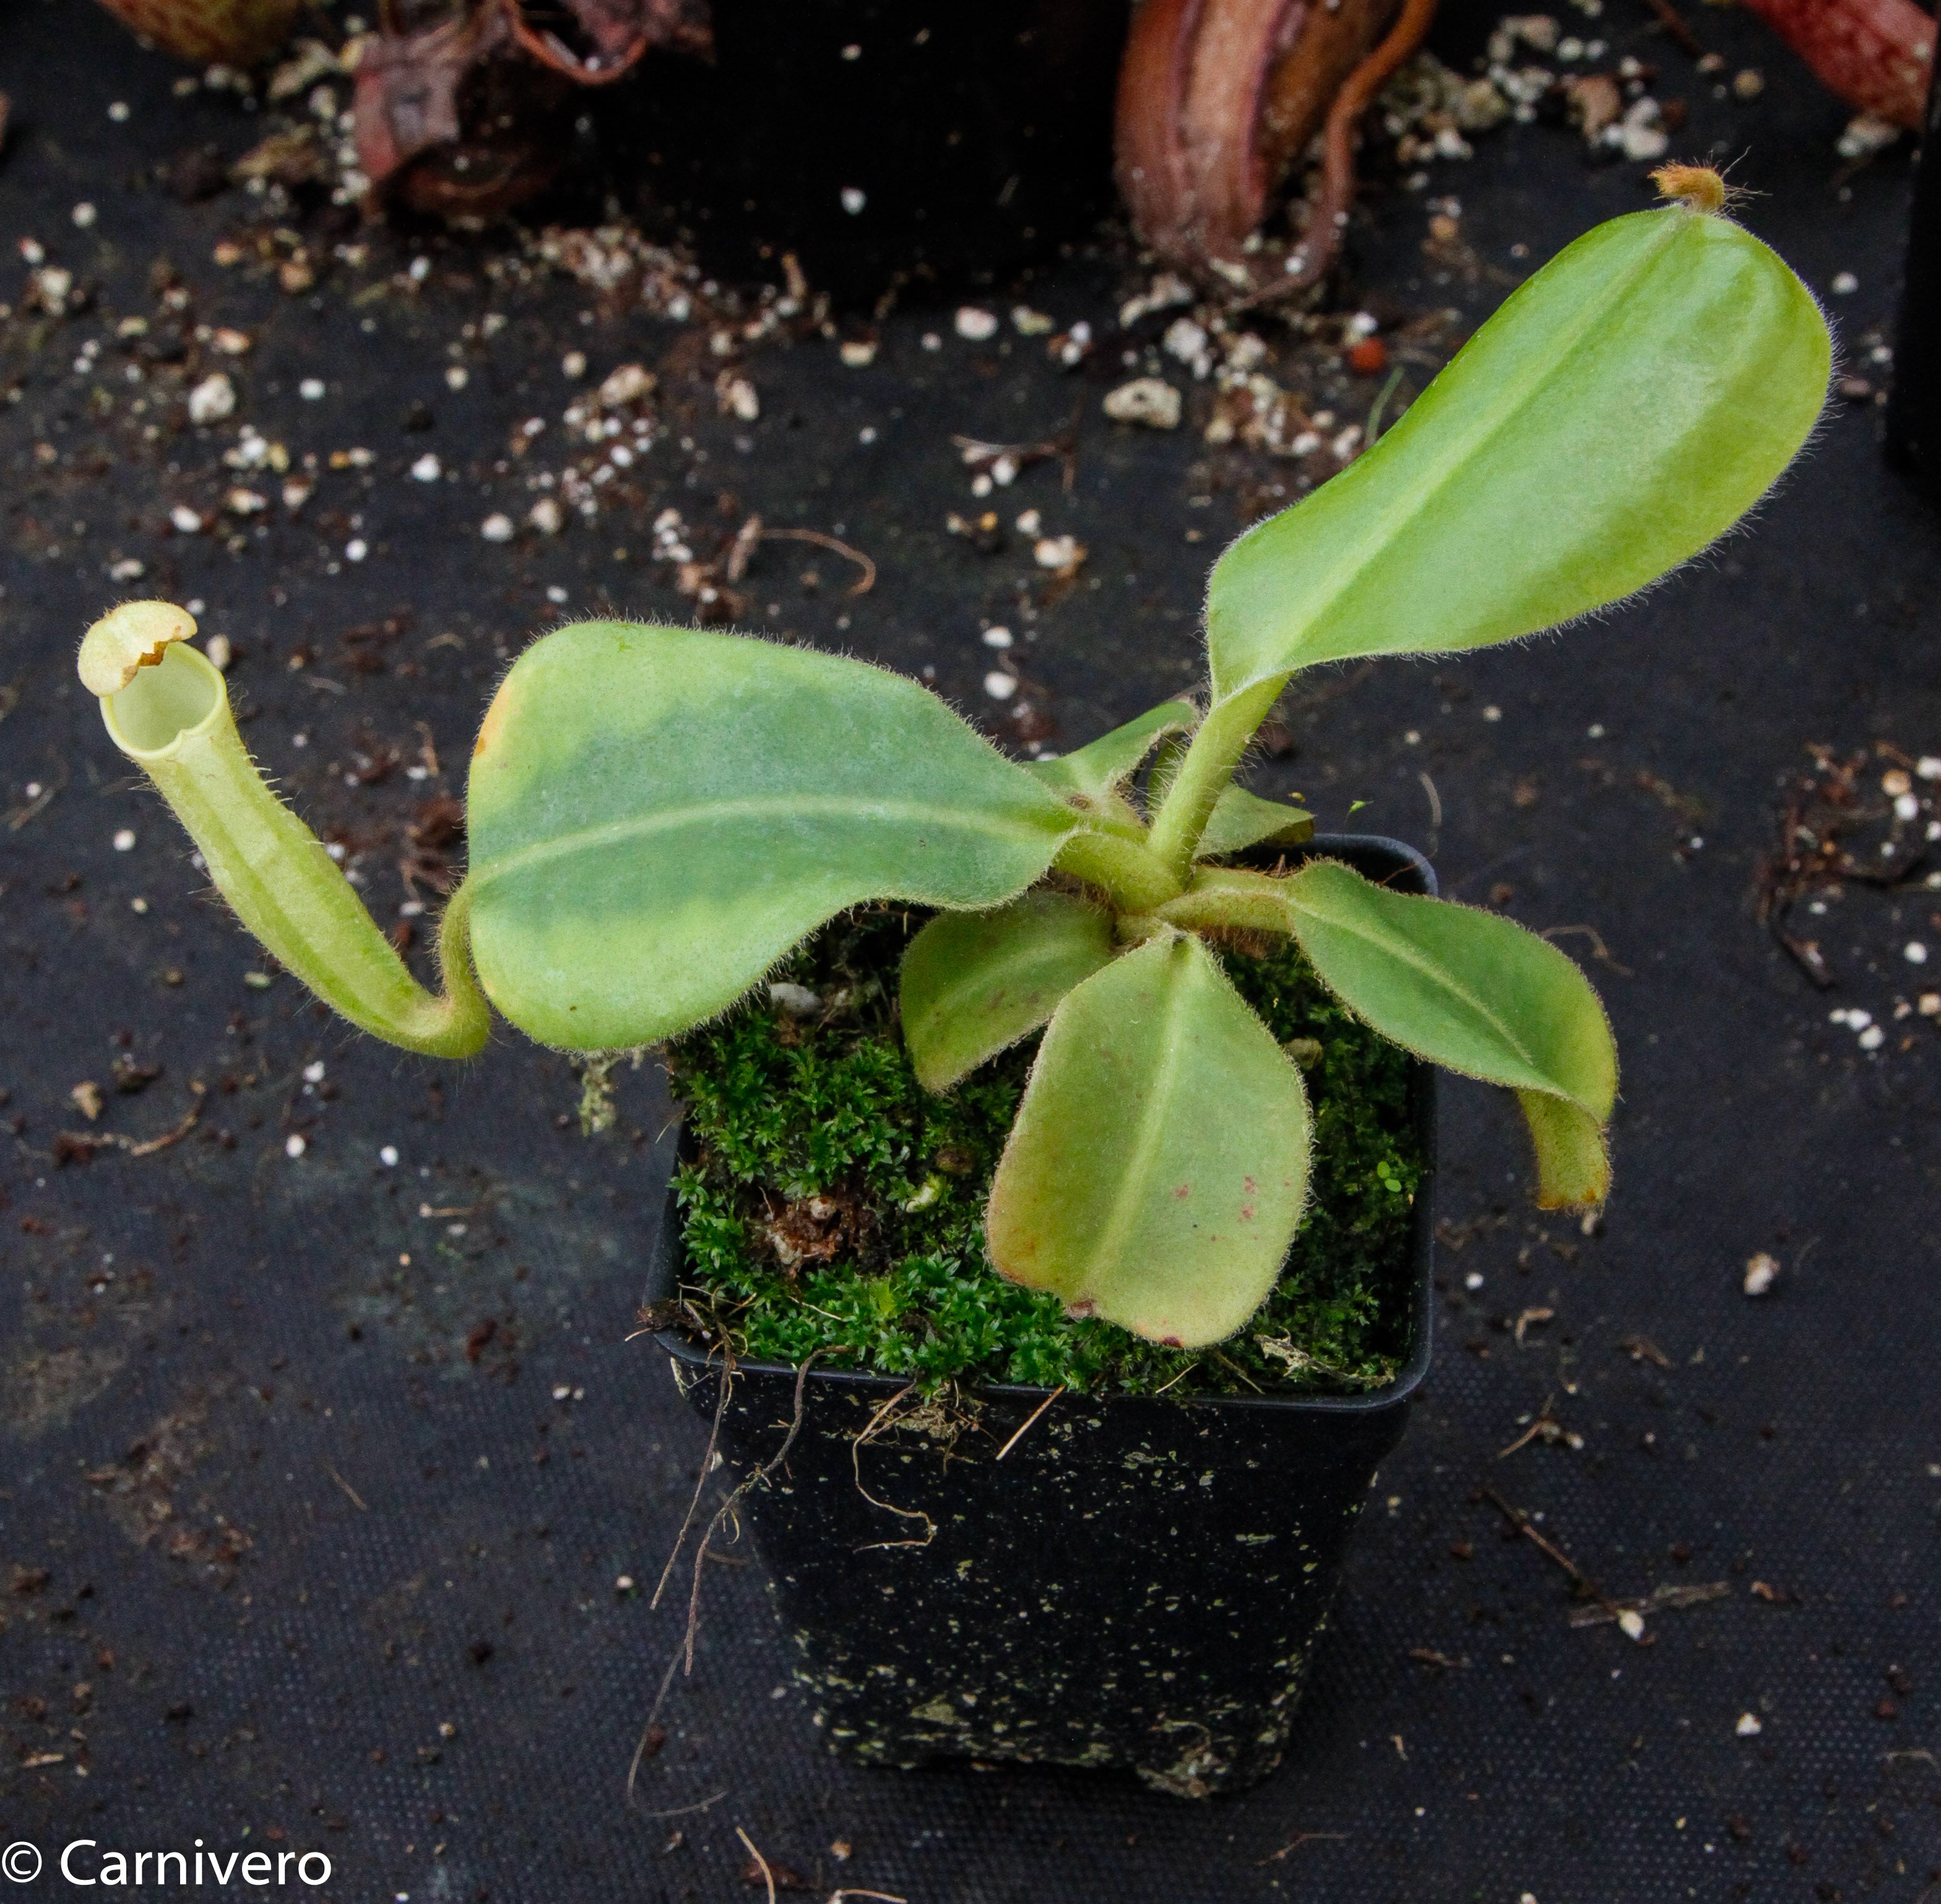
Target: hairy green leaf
(1156, 1172)
(1241, 820)
(1475, 993)
(1102, 765)
(656, 814)
(975, 982)
(1623, 408)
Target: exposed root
(684, 1653)
(706, 1468)
(880, 1423)
(725, 1511)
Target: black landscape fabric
(325, 1473)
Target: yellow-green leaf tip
(127, 640)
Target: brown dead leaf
(471, 114)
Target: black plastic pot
(1132, 1581)
(877, 138)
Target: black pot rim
(665, 1264)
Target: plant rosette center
(831, 1206)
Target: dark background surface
(260, 1501)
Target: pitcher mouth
(168, 700)
(155, 690)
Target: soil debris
(1847, 823)
(768, 1873)
(1663, 1599)
(150, 1494)
(77, 1147)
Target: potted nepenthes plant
(1011, 1085)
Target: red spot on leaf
(1185, 1189)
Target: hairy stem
(1126, 870)
(463, 1020)
(1216, 746)
(167, 709)
(1230, 897)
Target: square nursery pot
(876, 139)
(1139, 1582)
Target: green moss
(816, 1142)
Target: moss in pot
(1088, 1001)
(830, 1206)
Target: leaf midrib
(1406, 956)
(698, 813)
(964, 995)
(1155, 1118)
(1445, 468)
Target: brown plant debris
(819, 1228)
(1641, 1348)
(78, 1146)
(1529, 1319)
(1674, 24)
(150, 1491)
(1020, 1433)
(754, 532)
(770, 1874)
(1627, 1618)
(1304, 1838)
(1846, 821)
(1660, 1600)
(466, 109)
(1546, 1428)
